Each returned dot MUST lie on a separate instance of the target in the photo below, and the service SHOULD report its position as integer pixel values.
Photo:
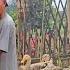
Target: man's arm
(4, 42)
(1, 51)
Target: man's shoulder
(9, 20)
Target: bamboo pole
(68, 17)
(21, 19)
(43, 28)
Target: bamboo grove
(42, 28)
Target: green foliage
(39, 12)
(12, 11)
(13, 14)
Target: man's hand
(1, 52)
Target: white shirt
(8, 60)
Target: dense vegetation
(12, 10)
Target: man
(8, 59)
